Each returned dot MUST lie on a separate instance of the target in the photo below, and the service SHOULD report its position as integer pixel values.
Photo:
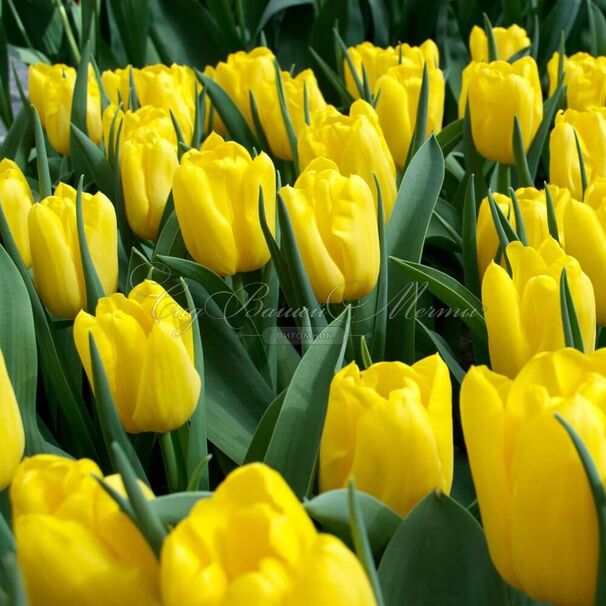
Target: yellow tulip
(252, 543)
(564, 167)
(584, 77)
(51, 88)
(270, 115)
(16, 201)
(218, 188)
(509, 41)
(75, 546)
(12, 435)
(377, 61)
(398, 101)
(523, 312)
(585, 226)
(533, 207)
(147, 165)
(335, 224)
(355, 143)
(536, 505)
(56, 253)
(145, 343)
(497, 92)
(394, 418)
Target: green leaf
(6, 110)
(172, 508)
(597, 29)
(512, 10)
(517, 212)
(573, 337)
(44, 180)
(450, 136)
(362, 542)
(16, 144)
(380, 22)
(331, 510)
(80, 102)
(418, 136)
(582, 168)
(170, 241)
(438, 555)
(257, 448)
(290, 131)
(91, 162)
(332, 77)
(15, 587)
(273, 7)
(443, 348)
(111, 426)
(133, 18)
(471, 270)
(551, 214)
(560, 19)
(519, 153)
(295, 443)
(463, 304)
(493, 54)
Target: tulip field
(303, 303)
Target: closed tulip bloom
(252, 542)
(75, 546)
(585, 226)
(56, 253)
(533, 207)
(394, 418)
(16, 201)
(272, 122)
(51, 88)
(536, 504)
(146, 346)
(523, 312)
(377, 61)
(355, 143)
(496, 92)
(12, 436)
(147, 166)
(398, 102)
(509, 41)
(216, 195)
(564, 166)
(335, 224)
(584, 77)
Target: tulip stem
(71, 40)
(170, 461)
(503, 178)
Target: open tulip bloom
(302, 303)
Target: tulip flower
(585, 227)
(564, 165)
(55, 250)
(377, 61)
(509, 41)
(496, 93)
(533, 207)
(147, 165)
(146, 345)
(537, 508)
(218, 188)
(584, 77)
(12, 436)
(355, 143)
(74, 544)
(51, 88)
(394, 418)
(523, 312)
(335, 224)
(16, 201)
(398, 102)
(252, 542)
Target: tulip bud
(252, 542)
(535, 501)
(394, 418)
(509, 41)
(12, 436)
(496, 93)
(398, 103)
(377, 61)
(147, 166)
(564, 166)
(584, 77)
(16, 200)
(74, 544)
(146, 346)
(335, 224)
(56, 253)
(533, 207)
(355, 143)
(218, 187)
(51, 90)
(523, 311)
(272, 121)
(585, 227)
